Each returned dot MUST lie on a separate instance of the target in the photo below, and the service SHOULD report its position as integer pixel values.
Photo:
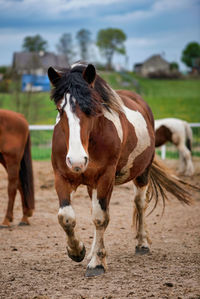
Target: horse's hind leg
(187, 165)
(13, 179)
(141, 202)
(181, 167)
(26, 212)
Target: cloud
(141, 42)
(156, 8)
(48, 7)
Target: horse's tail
(26, 176)
(162, 180)
(188, 132)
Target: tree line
(109, 41)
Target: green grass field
(167, 98)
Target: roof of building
(155, 59)
(34, 60)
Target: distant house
(154, 64)
(37, 63)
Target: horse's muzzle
(77, 167)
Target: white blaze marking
(114, 117)
(76, 152)
(142, 134)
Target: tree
(65, 47)
(84, 40)
(174, 66)
(191, 54)
(34, 44)
(111, 41)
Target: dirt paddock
(34, 263)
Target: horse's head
(72, 95)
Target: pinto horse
(179, 133)
(103, 138)
(15, 156)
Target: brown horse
(15, 155)
(103, 138)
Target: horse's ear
(89, 74)
(53, 76)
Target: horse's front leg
(100, 216)
(67, 219)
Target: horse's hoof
(91, 272)
(77, 258)
(22, 223)
(142, 250)
(4, 226)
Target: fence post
(163, 152)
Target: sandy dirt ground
(34, 263)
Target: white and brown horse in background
(179, 133)
(102, 138)
(15, 156)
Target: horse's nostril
(86, 160)
(77, 169)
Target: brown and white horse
(179, 133)
(102, 138)
(15, 156)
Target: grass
(173, 98)
(36, 107)
(41, 153)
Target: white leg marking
(187, 166)
(97, 212)
(92, 247)
(67, 213)
(98, 217)
(140, 201)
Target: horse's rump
(15, 156)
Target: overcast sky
(152, 27)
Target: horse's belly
(130, 171)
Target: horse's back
(174, 127)
(135, 101)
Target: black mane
(90, 100)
